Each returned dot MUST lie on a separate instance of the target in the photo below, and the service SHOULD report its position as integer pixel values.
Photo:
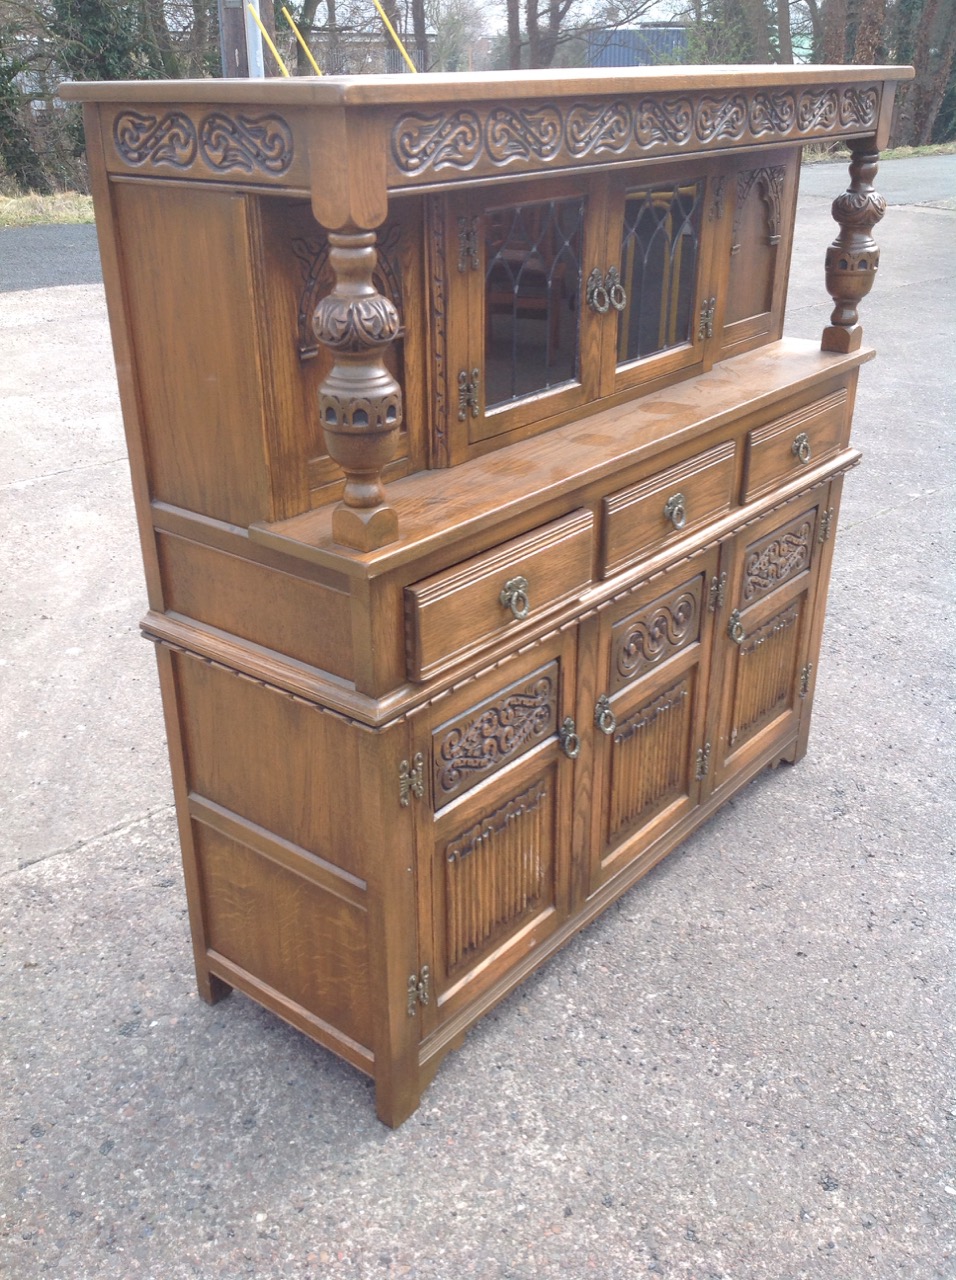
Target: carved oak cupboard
(487, 515)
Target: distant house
(664, 42)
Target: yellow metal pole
(298, 35)
(268, 39)
(394, 34)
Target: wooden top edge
(325, 91)
(538, 467)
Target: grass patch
(32, 210)
(822, 152)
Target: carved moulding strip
(492, 735)
(438, 285)
(243, 143)
(777, 559)
(538, 136)
(656, 633)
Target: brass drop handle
(735, 628)
(514, 596)
(604, 717)
(570, 742)
(801, 447)
(617, 296)
(596, 293)
(675, 510)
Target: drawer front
(452, 614)
(668, 506)
(783, 448)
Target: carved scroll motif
(658, 632)
(666, 120)
(593, 129)
(859, 107)
(817, 110)
(781, 557)
(531, 133)
(721, 118)
(246, 142)
(772, 113)
(436, 142)
(500, 732)
(148, 139)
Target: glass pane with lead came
(660, 252)
(532, 290)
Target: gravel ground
(743, 1071)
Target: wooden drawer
(783, 448)
(453, 613)
(668, 506)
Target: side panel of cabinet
(648, 717)
(763, 643)
(493, 826)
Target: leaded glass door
(659, 277)
(522, 346)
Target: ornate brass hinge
(703, 762)
(805, 675)
(411, 779)
(418, 990)
(706, 327)
(717, 586)
(468, 394)
(468, 244)
(826, 524)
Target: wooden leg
(211, 988)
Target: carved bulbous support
(853, 257)
(360, 403)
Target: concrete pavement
(744, 1071)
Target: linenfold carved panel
(540, 135)
(650, 758)
(647, 638)
(765, 672)
(494, 734)
(497, 874)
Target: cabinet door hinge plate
(826, 525)
(703, 762)
(411, 780)
(418, 985)
(805, 675)
(706, 327)
(717, 588)
(468, 244)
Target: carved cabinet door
(762, 648)
(493, 824)
(647, 716)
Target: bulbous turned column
(360, 403)
(853, 257)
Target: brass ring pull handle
(735, 628)
(570, 742)
(675, 510)
(604, 717)
(514, 596)
(598, 298)
(615, 290)
(801, 447)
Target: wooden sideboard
(487, 514)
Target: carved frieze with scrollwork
(257, 145)
(494, 734)
(777, 559)
(538, 136)
(647, 638)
